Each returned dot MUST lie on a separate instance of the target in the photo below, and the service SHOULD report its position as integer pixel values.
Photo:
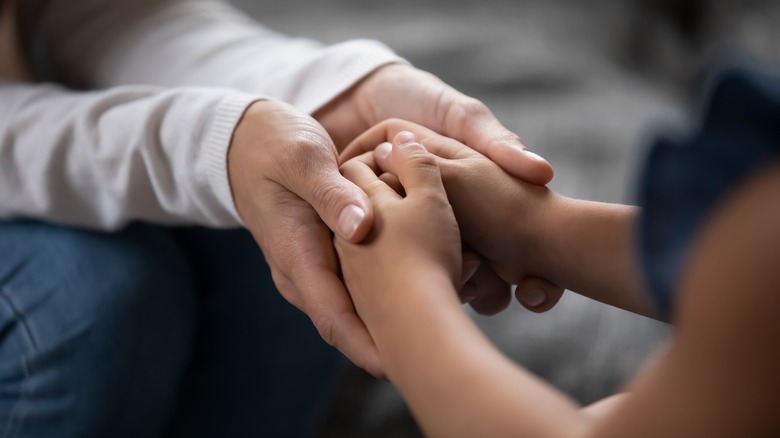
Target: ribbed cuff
(227, 115)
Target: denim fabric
(151, 332)
(683, 180)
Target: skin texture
(282, 162)
(286, 183)
(402, 91)
(288, 190)
(716, 378)
(482, 228)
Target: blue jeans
(150, 332)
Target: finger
(378, 139)
(445, 151)
(393, 182)
(382, 132)
(359, 171)
(308, 268)
(415, 166)
(452, 114)
(332, 312)
(342, 330)
(382, 156)
(471, 122)
(468, 293)
(493, 294)
(369, 160)
(471, 262)
(310, 170)
(605, 406)
(538, 295)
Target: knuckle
(462, 111)
(474, 107)
(420, 157)
(507, 138)
(303, 149)
(327, 197)
(422, 162)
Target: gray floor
(586, 84)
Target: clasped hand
(499, 216)
(284, 174)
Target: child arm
(527, 231)
(588, 247)
(719, 375)
(717, 378)
(402, 282)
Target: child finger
(360, 173)
(415, 166)
(369, 159)
(393, 182)
(441, 147)
(447, 148)
(494, 294)
(382, 157)
(538, 295)
(382, 132)
(470, 262)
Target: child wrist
(542, 232)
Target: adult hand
(284, 173)
(404, 92)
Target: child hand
(415, 238)
(499, 216)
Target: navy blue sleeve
(683, 180)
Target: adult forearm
(201, 43)
(101, 159)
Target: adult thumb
(311, 171)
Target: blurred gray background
(587, 84)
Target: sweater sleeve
(103, 43)
(100, 159)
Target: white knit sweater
(162, 85)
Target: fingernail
(383, 151)
(469, 268)
(533, 155)
(350, 219)
(535, 298)
(405, 138)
